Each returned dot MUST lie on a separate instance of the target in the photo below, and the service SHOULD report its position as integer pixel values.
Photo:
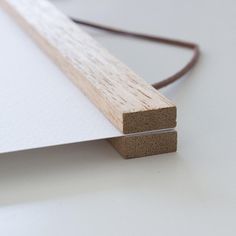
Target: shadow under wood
(69, 170)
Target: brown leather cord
(173, 42)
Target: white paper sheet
(39, 106)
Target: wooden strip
(145, 144)
(130, 103)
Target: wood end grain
(149, 120)
(145, 144)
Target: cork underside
(148, 144)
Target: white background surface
(87, 189)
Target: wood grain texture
(130, 103)
(145, 144)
